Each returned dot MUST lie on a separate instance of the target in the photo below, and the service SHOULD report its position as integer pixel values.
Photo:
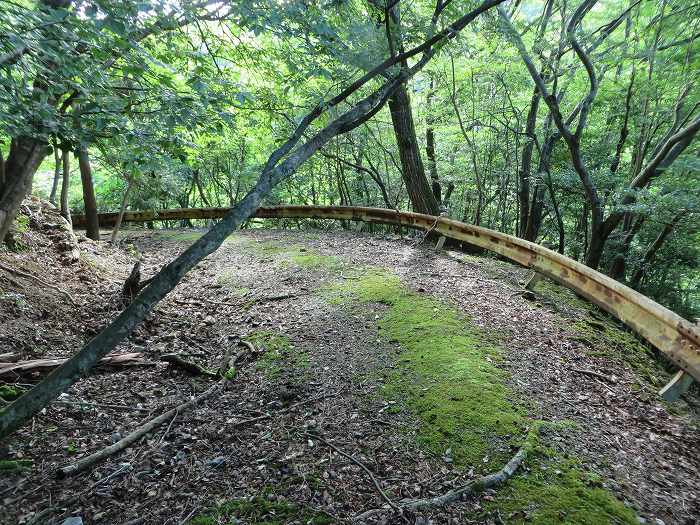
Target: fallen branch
(190, 366)
(470, 489)
(362, 466)
(40, 281)
(592, 373)
(45, 365)
(144, 429)
(123, 443)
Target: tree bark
(526, 166)
(412, 169)
(122, 209)
(653, 248)
(56, 175)
(65, 210)
(92, 229)
(24, 159)
(430, 147)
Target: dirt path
(262, 450)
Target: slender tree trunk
(198, 183)
(2, 170)
(92, 229)
(430, 147)
(65, 210)
(653, 249)
(122, 209)
(56, 175)
(526, 165)
(24, 159)
(534, 219)
(413, 172)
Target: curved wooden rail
(670, 333)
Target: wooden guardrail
(677, 338)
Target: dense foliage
(185, 101)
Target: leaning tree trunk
(413, 172)
(65, 211)
(92, 229)
(24, 159)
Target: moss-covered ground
(448, 377)
(279, 354)
(447, 372)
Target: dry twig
(40, 281)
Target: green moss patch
(260, 510)
(285, 255)
(307, 259)
(279, 354)
(14, 465)
(10, 392)
(447, 372)
(555, 490)
(179, 235)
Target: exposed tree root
(179, 361)
(40, 281)
(470, 489)
(86, 462)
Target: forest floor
(372, 352)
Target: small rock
(73, 520)
(209, 319)
(658, 521)
(116, 436)
(217, 461)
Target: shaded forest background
(571, 124)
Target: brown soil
(224, 449)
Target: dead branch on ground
(470, 489)
(40, 281)
(46, 365)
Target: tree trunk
(618, 266)
(430, 147)
(65, 211)
(534, 218)
(122, 209)
(24, 159)
(198, 183)
(653, 248)
(526, 165)
(412, 170)
(56, 175)
(92, 229)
